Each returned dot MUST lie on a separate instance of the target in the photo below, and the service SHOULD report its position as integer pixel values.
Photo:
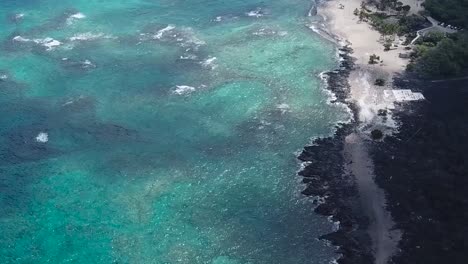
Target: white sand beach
(366, 41)
(363, 39)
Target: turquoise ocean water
(159, 131)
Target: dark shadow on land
(423, 169)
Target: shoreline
(346, 30)
(415, 175)
(369, 100)
(325, 177)
(367, 232)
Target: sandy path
(372, 198)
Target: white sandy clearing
(366, 41)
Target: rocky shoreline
(421, 168)
(326, 179)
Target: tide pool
(156, 131)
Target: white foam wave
(255, 13)
(68, 103)
(42, 137)
(269, 32)
(19, 16)
(21, 39)
(332, 99)
(283, 108)
(183, 89)
(88, 64)
(183, 37)
(74, 17)
(163, 31)
(311, 11)
(321, 30)
(224, 18)
(303, 164)
(72, 101)
(48, 43)
(188, 57)
(78, 16)
(88, 36)
(209, 63)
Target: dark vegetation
(453, 12)
(391, 17)
(437, 56)
(441, 57)
(374, 59)
(379, 82)
(376, 134)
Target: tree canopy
(453, 12)
(442, 57)
(448, 58)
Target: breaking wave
(47, 43)
(88, 36)
(77, 16)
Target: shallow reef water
(156, 131)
